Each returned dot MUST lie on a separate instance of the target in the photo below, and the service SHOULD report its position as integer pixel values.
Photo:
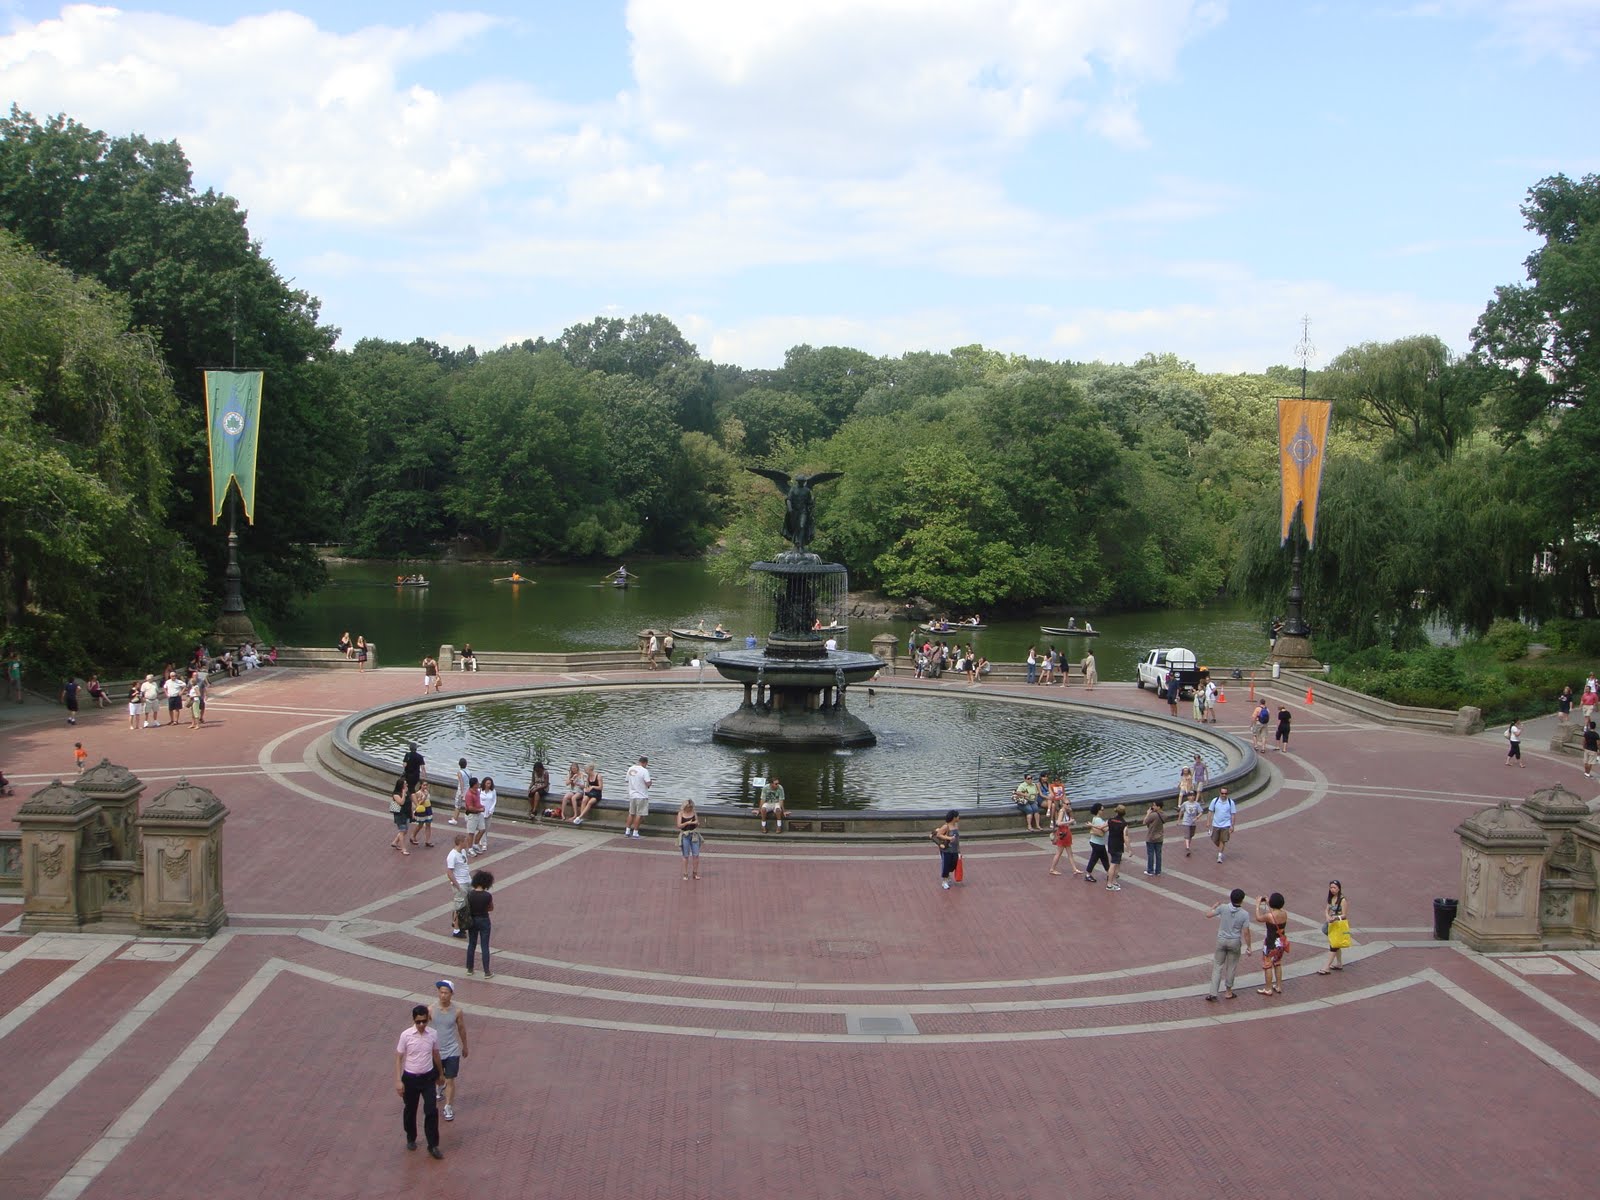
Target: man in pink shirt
(416, 1067)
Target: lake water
(573, 608)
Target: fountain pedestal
(794, 687)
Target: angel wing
(778, 477)
(813, 480)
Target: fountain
(794, 686)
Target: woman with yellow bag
(1337, 927)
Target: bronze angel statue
(799, 524)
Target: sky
(1067, 179)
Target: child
(80, 756)
(1063, 837)
(1189, 817)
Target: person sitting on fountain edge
(772, 802)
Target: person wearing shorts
(1116, 844)
(472, 806)
(173, 687)
(638, 796)
(689, 837)
(1189, 818)
(1222, 809)
(593, 789)
(772, 799)
(149, 690)
(1026, 798)
(450, 1023)
(400, 811)
(1591, 748)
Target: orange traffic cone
(1309, 700)
(1222, 696)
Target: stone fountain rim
(1243, 762)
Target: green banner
(233, 419)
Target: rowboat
(700, 635)
(834, 628)
(950, 627)
(1067, 631)
(513, 579)
(418, 582)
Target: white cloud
(1565, 30)
(291, 118)
(871, 84)
(1248, 324)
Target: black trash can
(1444, 916)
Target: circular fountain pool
(934, 750)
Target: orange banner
(1302, 438)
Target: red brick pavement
(1050, 1070)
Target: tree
(88, 422)
(1414, 392)
(1545, 336)
(407, 452)
(124, 210)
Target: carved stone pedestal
(58, 824)
(1567, 894)
(1502, 860)
(181, 836)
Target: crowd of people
(932, 659)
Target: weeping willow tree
(1400, 544)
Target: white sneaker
(449, 1113)
(1219, 858)
(945, 884)
(452, 820)
(577, 820)
(780, 826)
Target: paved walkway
(807, 1020)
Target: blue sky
(1089, 180)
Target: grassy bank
(1505, 673)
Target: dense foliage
(1455, 490)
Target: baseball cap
(439, 983)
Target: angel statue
(799, 524)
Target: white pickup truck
(1155, 665)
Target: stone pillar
(1502, 862)
(1567, 891)
(116, 790)
(1586, 841)
(113, 877)
(181, 836)
(884, 646)
(58, 824)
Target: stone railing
(323, 656)
(1439, 720)
(547, 664)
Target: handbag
(1338, 935)
(959, 873)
